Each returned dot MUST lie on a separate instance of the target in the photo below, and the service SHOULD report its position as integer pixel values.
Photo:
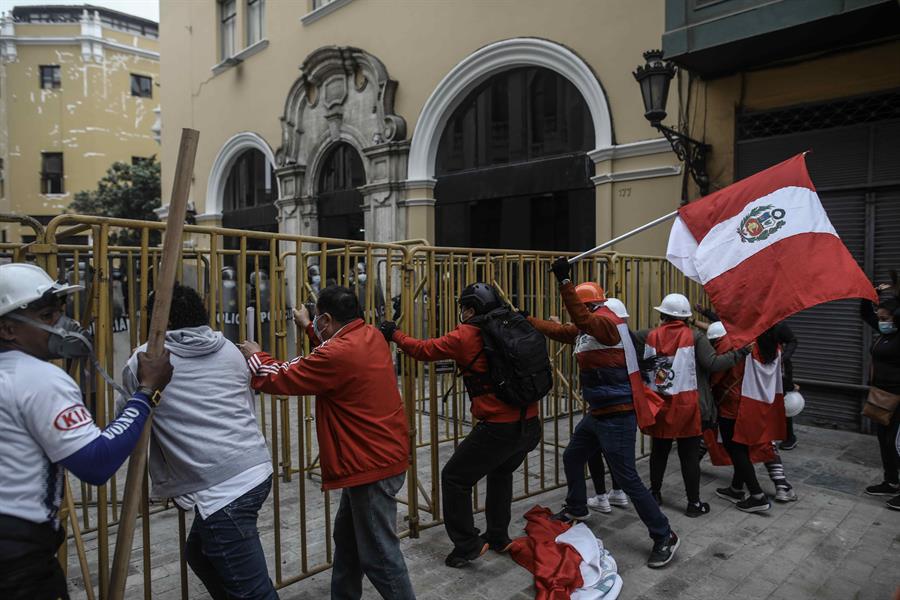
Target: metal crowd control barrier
(250, 282)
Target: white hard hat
(715, 330)
(615, 305)
(793, 404)
(22, 283)
(675, 305)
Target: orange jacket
(360, 422)
(462, 345)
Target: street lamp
(654, 77)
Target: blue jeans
(225, 552)
(366, 542)
(615, 436)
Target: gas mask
(68, 339)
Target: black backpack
(519, 370)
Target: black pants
(744, 471)
(598, 474)
(790, 428)
(688, 454)
(887, 436)
(495, 451)
(29, 569)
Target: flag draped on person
(763, 249)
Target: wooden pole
(162, 300)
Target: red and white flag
(764, 249)
(760, 416)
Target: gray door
(855, 165)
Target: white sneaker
(618, 498)
(600, 503)
(783, 494)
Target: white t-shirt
(42, 421)
(219, 496)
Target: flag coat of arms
(764, 249)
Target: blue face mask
(887, 327)
(315, 325)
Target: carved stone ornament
(342, 93)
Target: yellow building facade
(79, 90)
(464, 123)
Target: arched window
(512, 166)
(250, 183)
(339, 199)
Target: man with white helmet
(683, 360)
(46, 428)
(726, 388)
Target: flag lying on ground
(568, 562)
(764, 249)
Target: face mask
(886, 327)
(316, 279)
(361, 277)
(315, 325)
(68, 339)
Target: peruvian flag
(761, 414)
(646, 403)
(764, 249)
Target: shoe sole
(754, 509)
(620, 504)
(787, 448)
(729, 498)
(465, 560)
(891, 506)
(785, 500)
(668, 560)
(598, 509)
(894, 493)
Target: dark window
(52, 173)
(514, 117)
(250, 183)
(141, 86)
(512, 166)
(339, 198)
(50, 77)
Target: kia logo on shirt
(72, 418)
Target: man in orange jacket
(494, 448)
(363, 437)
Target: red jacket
(360, 422)
(462, 345)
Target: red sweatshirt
(360, 422)
(462, 345)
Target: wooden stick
(79, 543)
(162, 300)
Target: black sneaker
(751, 504)
(663, 551)
(730, 494)
(657, 496)
(894, 503)
(883, 489)
(458, 560)
(696, 510)
(499, 546)
(788, 444)
(569, 514)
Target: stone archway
(343, 94)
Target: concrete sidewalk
(834, 543)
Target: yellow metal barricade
(250, 282)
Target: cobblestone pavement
(834, 543)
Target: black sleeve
(867, 313)
(788, 341)
(709, 313)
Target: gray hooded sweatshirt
(204, 429)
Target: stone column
(419, 205)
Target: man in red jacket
(494, 448)
(363, 438)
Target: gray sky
(148, 9)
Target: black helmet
(480, 296)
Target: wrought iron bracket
(691, 152)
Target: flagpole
(624, 236)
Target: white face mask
(316, 279)
(361, 277)
(887, 327)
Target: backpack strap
(459, 372)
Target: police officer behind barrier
(494, 448)
(46, 428)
